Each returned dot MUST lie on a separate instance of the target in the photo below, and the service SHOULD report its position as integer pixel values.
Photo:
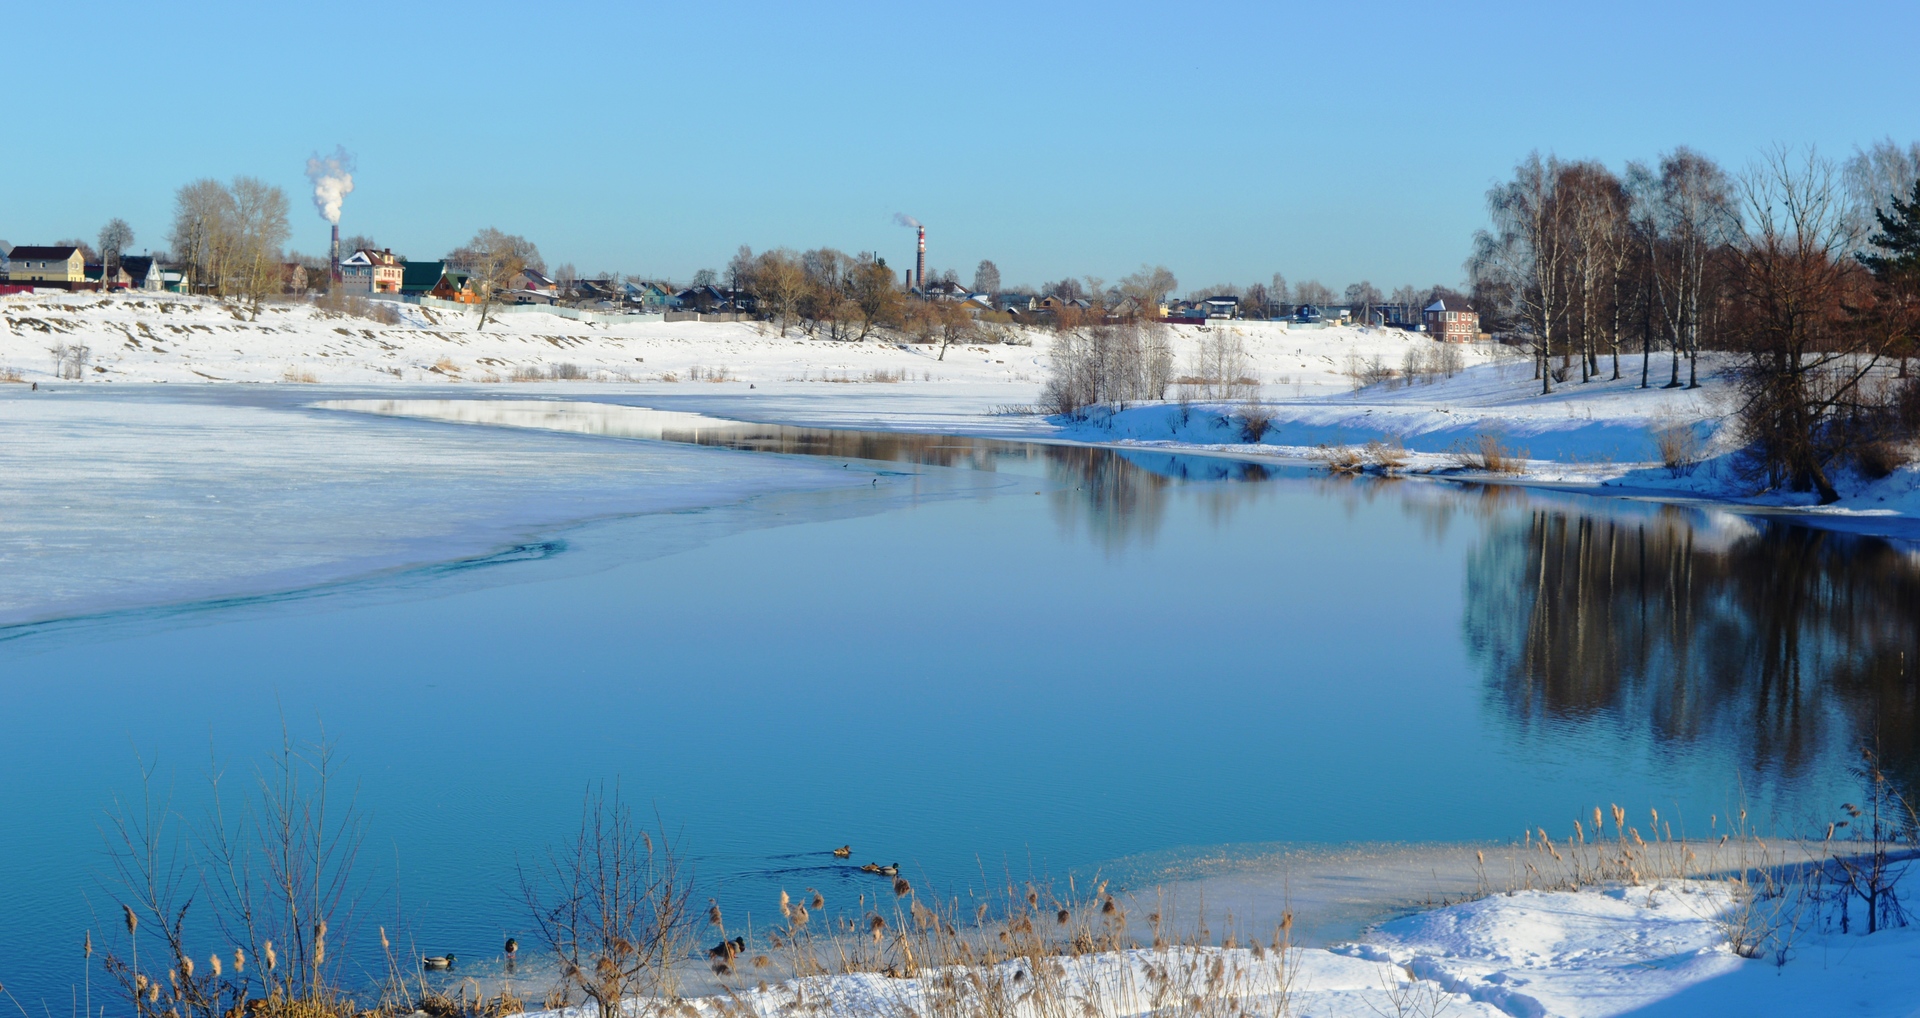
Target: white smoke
(906, 220)
(332, 178)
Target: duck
(889, 870)
(843, 851)
(727, 950)
(871, 867)
(444, 961)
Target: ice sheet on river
(114, 503)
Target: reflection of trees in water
(1119, 496)
(1773, 641)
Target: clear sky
(1228, 141)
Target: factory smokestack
(332, 178)
(920, 261)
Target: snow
(148, 499)
(1642, 950)
(189, 465)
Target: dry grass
(301, 375)
(1026, 951)
(445, 366)
(1379, 456)
(1489, 454)
(1874, 459)
(1341, 459)
(1255, 419)
(1389, 455)
(1679, 445)
(11, 374)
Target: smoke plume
(906, 220)
(332, 178)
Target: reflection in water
(1118, 496)
(1782, 641)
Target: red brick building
(1452, 320)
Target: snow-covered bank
(1601, 437)
(1598, 436)
(1657, 949)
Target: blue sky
(1228, 141)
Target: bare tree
(493, 259)
(1362, 297)
(1597, 216)
(740, 269)
(1312, 292)
(115, 238)
(1107, 364)
(1805, 361)
(872, 289)
(612, 906)
(1689, 213)
(1522, 257)
(259, 226)
(986, 277)
(1875, 176)
(274, 879)
(779, 281)
(203, 212)
(1151, 286)
(1278, 289)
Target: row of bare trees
(229, 237)
(1793, 267)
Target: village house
(434, 279)
(367, 271)
(1221, 307)
(1452, 320)
(47, 266)
(652, 295)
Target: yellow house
(59, 266)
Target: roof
(421, 276)
(1223, 299)
(136, 266)
(48, 254)
(1449, 304)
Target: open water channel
(987, 660)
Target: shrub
(1255, 419)
(1679, 446)
(1340, 459)
(1488, 453)
(1878, 459)
(1389, 454)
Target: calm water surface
(996, 659)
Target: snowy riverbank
(1653, 949)
(1598, 436)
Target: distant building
(651, 294)
(434, 279)
(1221, 307)
(536, 281)
(367, 271)
(1452, 320)
(141, 272)
(48, 266)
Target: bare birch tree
(1523, 256)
